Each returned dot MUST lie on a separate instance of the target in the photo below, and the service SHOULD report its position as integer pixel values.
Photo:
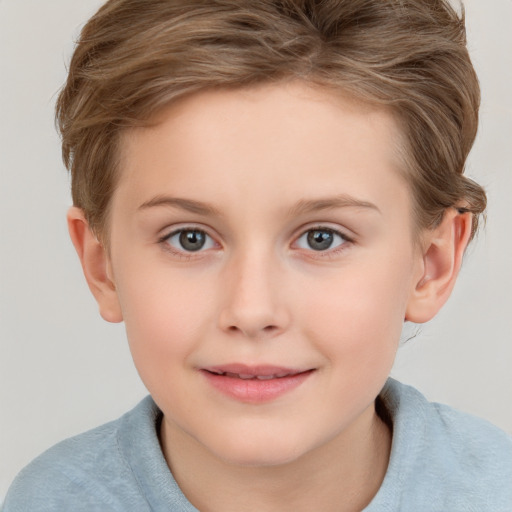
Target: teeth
(248, 376)
(244, 376)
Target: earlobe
(95, 264)
(442, 259)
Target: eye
(189, 240)
(320, 239)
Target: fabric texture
(441, 460)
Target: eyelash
(329, 253)
(188, 255)
(181, 254)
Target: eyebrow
(185, 204)
(302, 207)
(329, 203)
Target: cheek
(359, 312)
(165, 319)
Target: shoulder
(450, 459)
(474, 442)
(81, 473)
(460, 436)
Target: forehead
(278, 142)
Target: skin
(263, 168)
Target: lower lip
(255, 390)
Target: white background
(63, 370)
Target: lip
(254, 384)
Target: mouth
(255, 384)
(250, 376)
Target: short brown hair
(134, 57)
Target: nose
(253, 291)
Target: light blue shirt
(441, 461)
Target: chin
(259, 459)
(259, 451)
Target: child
(264, 192)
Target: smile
(255, 384)
(248, 376)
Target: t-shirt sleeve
(82, 474)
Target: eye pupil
(192, 240)
(320, 240)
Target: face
(262, 253)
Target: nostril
(267, 330)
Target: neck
(342, 475)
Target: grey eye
(190, 240)
(320, 239)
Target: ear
(95, 264)
(442, 258)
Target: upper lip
(251, 371)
